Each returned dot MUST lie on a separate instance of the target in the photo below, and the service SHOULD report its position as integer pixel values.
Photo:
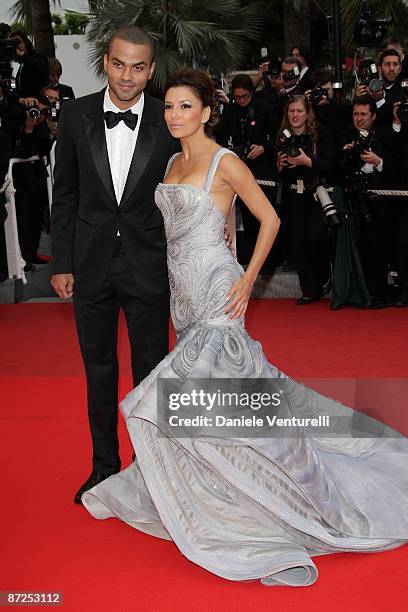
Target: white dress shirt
(121, 142)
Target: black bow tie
(113, 119)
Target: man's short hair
(366, 101)
(388, 52)
(47, 87)
(292, 61)
(394, 42)
(321, 76)
(134, 35)
(54, 65)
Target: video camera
(369, 30)
(8, 54)
(402, 111)
(368, 75)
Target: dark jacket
(324, 159)
(32, 75)
(85, 213)
(256, 123)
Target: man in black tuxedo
(107, 233)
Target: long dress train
(252, 508)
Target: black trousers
(375, 242)
(400, 225)
(97, 327)
(31, 198)
(308, 241)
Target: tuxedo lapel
(150, 127)
(95, 132)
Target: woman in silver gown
(254, 508)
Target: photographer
(385, 92)
(369, 163)
(335, 114)
(307, 154)
(271, 75)
(30, 180)
(291, 69)
(54, 75)
(393, 43)
(248, 125)
(305, 72)
(32, 74)
(53, 96)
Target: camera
(402, 111)
(54, 110)
(274, 68)
(290, 75)
(352, 161)
(369, 30)
(288, 145)
(33, 111)
(361, 200)
(368, 75)
(318, 94)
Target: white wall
(75, 68)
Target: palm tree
(296, 24)
(208, 34)
(35, 16)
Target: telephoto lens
(322, 196)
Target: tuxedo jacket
(85, 213)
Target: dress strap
(170, 163)
(213, 167)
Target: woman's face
(184, 112)
(242, 96)
(297, 114)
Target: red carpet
(49, 544)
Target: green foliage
(209, 34)
(70, 23)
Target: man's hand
(28, 101)
(53, 127)
(349, 146)
(369, 157)
(395, 117)
(361, 90)
(63, 285)
(255, 151)
(222, 96)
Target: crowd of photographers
(325, 156)
(30, 101)
(322, 155)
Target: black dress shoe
(306, 300)
(94, 479)
(379, 302)
(402, 300)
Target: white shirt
(121, 142)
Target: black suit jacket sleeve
(65, 196)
